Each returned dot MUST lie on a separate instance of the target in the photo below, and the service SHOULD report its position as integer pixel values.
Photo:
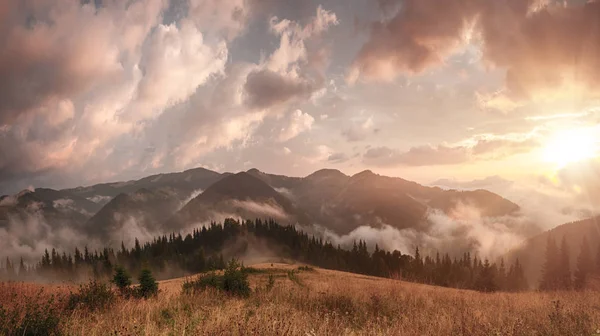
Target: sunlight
(570, 146)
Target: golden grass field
(324, 302)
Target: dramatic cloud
(545, 46)
(77, 77)
(95, 92)
(284, 76)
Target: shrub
(234, 281)
(92, 296)
(306, 268)
(148, 285)
(202, 282)
(121, 279)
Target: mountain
(109, 213)
(141, 214)
(56, 208)
(240, 195)
(182, 184)
(343, 203)
(532, 252)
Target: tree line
(202, 250)
(556, 270)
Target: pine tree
(22, 269)
(486, 279)
(121, 279)
(550, 271)
(10, 270)
(585, 265)
(564, 267)
(501, 275)
(148, 285)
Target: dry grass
(336, 303)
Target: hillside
(141, 214)
(342, 203)
(182, 184)
(241, 195)
(56, 208)
(323, 302)
(531, 253)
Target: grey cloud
(338, 157)
(266, 88)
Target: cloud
(501, 147)
(78, 78)
(583, 179)
(266, 88)
(338, 157)
(283, 77)
(266, 209)
(486, 147)
(359, 131)
(298, 122)
(546, 47)
(416, 156)
(463, 230)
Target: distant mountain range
(329, 198)
(111, 213)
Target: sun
(568, 146)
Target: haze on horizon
(98, 91)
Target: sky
(109, 90)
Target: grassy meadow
(313, 302)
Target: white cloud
(297, 123)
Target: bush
(121, 279)
(92, 296)
(148, 285)
(234, 281)
(306, 268)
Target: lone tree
(121, 279)
(148, 285)
(585, 265)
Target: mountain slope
(182, 184)
(239, 195)
(532, 252)
(141, 214)
(55, 208)
(343, 203)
